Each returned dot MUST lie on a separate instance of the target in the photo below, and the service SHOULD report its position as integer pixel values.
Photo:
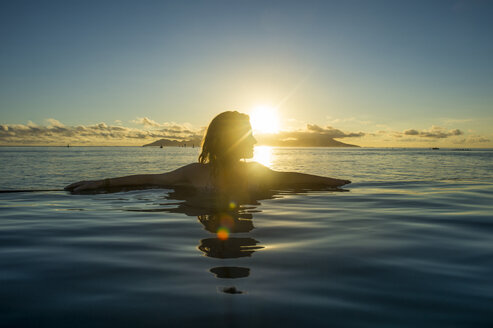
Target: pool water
(408, 243)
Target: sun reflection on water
(263, 155)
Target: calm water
(410, 243)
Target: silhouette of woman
(228, 140)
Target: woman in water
(228, 140)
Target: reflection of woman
(233, 221)
(228, 140)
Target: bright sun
(264, 119)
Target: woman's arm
(169, 179)
(306, 180)
(277, 179)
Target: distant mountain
(314, 143)
(301, 140)
(276, 142)
(174, 143)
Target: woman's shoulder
(256, 167)
(195, 166)
(257, 173)
(196, 174)
(194, 170)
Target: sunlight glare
(263, 155)
(264, 119)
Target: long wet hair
(222, 142)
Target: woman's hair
(222, 142)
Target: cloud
(166, 127)
(54, 123)
(56, 133)
(473, 140)
(411, 132)
(352, 120)
(146, 122)
(435, 132)
(431, 137)
(332, 132)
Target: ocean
(408, 243)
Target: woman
(228, 140)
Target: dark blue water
(409, 243)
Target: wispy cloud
(448, 121)
(171, 127)
(473, 140)
(352, 120)
(145, 121)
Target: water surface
(408, 243)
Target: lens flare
(223, 233)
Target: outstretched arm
(277, 179)
(169, 179)
(306, 180)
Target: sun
(264, 119)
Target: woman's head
(228, 139)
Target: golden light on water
(264, 119)
(263, 155)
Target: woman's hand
(337, 182)
(84, 185)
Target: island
(195, 142)
(262, 141)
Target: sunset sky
(370, 73)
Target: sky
(370, 73)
